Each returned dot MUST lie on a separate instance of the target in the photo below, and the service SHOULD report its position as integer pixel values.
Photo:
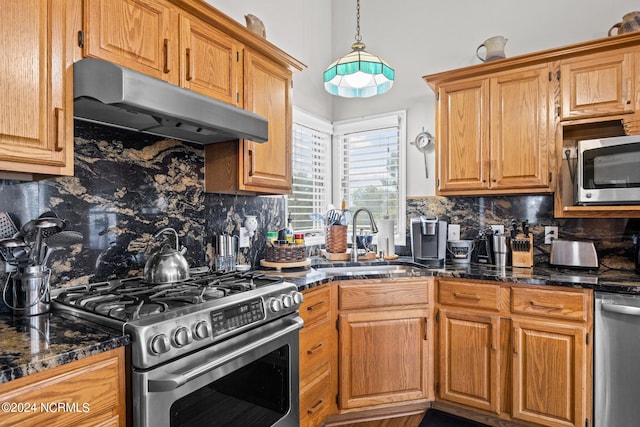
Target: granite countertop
(37, 343)
(34, 344)
(603, 279)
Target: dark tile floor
(435, 418)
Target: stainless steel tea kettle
(167, 265)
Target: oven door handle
(174, 380)
(622, 309)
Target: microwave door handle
(621, 309)
(173, 381)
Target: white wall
(416, 38)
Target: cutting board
(281, 265)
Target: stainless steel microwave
(608, 171)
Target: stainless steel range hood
(117, 96)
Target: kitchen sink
(370, 270)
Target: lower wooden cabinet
(518, 353)
(468, 358)
(89, 392)
(318, 374)
(549, 373)
(385, 342)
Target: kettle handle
(175, 233)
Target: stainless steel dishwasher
(617, 360)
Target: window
(311, 174)
(370, 159)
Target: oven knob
(159, 344)
(287, 301)
(201, 330)
(297, 297)
(587, 195)
(181, 337)
(275, 305)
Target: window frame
(319, 125)
(365, 124)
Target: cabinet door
(383, 357)
(36, 121)
(549, 373)
(137, 34)
(463, 136)
(267, 167)
(520, 131)
(93, 388)
(468, 359)
(597, 85)
(209, 61)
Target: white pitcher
(494, 49)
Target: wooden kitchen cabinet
(552, 356)
(494, 134)
(318, 361)
(515, 352)
(88, 392)
(385, 342)
(468, 344)
(36, 121)
(158, 39)
(598, 85)
(247, 166)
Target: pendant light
(358, 74)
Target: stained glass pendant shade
(358, 74)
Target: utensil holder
(30, 291)
(336, 239)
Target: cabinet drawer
(315, 350)
(550, 303)
(314, 401)
(356, 294)
(315, 307)
(468, 294)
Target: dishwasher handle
(622, 309)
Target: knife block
(522, 251)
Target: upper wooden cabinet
(501, 126)
(191, 44)
(155, 38)
(494, 134)
(597, 85)
(210, 61)
(36, 118)
(246, 166)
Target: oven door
(248, 380)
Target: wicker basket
(286, 253)
(336, 239)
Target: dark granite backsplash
(612, 237)
(129, 185)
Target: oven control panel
(159, 338)
(237, 316)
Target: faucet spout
(374, 229)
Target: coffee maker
(428, 240)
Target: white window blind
(371, 160)
(311, 172)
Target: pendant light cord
(358, 36)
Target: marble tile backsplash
(129, 185)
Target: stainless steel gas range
(215, 350)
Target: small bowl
(243, 267)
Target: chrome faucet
(354, 245)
